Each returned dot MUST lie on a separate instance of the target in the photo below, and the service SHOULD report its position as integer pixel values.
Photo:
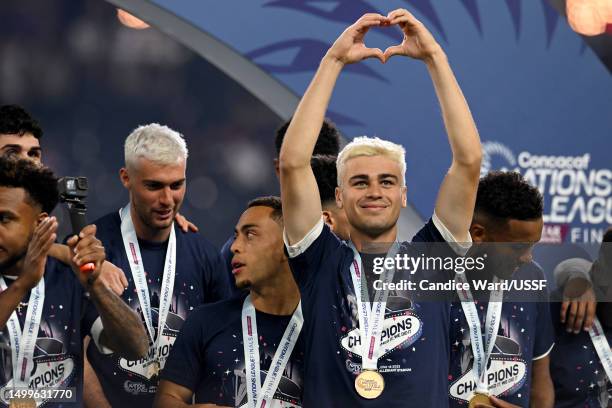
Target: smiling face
(371, 194)
(156, 191)
(258, 248)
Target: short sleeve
(435, 231)
(315, 257)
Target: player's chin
(162, 223)
(379, 224)
(242, 283)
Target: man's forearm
(61, 253)
(123, 331)
(460, 127)
(542, 398)
(303, 131)
(301, 202)
(542, 388)
(163, 400)
(9, 300)
(94, 397)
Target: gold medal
(22, 403)
(153, 369)
(369, 384)
(480, 399)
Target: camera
(72, 188)
(73, 192)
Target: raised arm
(123, 330)
(299, 192)
(457, 194)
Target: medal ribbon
(492, 321)
(371, 319)
(132, 250)
(257, 396)
(598, 337)
(23, 343)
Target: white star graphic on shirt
(227, 372)
(236, 361)
(592, 385)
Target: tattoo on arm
(123, 331)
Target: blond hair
(157, 143)
(371, 146)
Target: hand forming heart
(417, 43)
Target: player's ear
(124, 176)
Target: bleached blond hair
(371, 146)
(157, 143)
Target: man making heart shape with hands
(417, 43)
(350, 358)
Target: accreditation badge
(369, 384)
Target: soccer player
(508, 213)
(580, 362)
(20, 137)
(343, 367)
(239, 351)
(170, 272)
(41, 300)
(328, 146)
(19, 134)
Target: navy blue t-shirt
(576, 370)
(208, 356)
(416, 367)
(525, 334)
(200, 278)
(58, 355)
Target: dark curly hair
(14, 120)
(327, 143)
(272, 202)
(507, 195)
(607, 237)
(324, 169)
(39, 182)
